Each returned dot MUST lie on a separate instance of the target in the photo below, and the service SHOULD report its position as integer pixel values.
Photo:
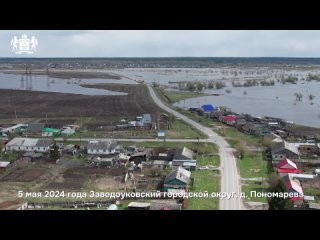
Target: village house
(240, 121)
(255, 128)
(139, 157)
(283, 150)
(229, 120)
(177, 179)
(184, 158)
(14, 129)
(294, 186)
(216, 114)
(102, 147)
(144, 122)
(286, 166)
(29, 145)
(207, 108)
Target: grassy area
(312, 192)
(233, 134)
(176, 96)
(252, 165)
(205, 180)
(204, 120)
(254, 186)
(180, 129)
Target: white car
(203, 168)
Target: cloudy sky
(168, 43)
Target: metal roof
(183, 154)
(35, 127)
(104, 145)
(4, 164)
(23, 142)
(207, 107)
(285, 145)
(180, 174)
(139, 204)
(305, 176)
(54, 130)
(44, 143)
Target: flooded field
(45, 84)
(275, 101)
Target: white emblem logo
(24, 44)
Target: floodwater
(45, 84)
(274, 101)
(172, 75)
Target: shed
(284, 150)
(3, 166)
(139, 206)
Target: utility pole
(15, 113)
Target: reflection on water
(46, 84)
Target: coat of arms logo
(24, 44)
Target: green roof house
(177, 179)
(51, 132)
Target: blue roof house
(207, 108)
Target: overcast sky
(167, 43)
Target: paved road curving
(229, 175)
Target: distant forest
(196, 62)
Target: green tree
(54, 152)
(241, 149)
(277, 185)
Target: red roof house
(230, 119)
(287, 166)
(295, 187)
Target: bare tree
(298, 96)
